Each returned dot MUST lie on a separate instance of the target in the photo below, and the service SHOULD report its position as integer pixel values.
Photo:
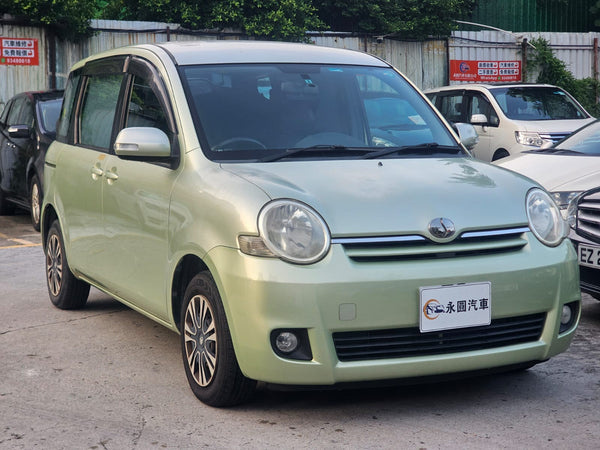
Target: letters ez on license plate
(589, 256)
(455, 306)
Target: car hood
(556, 172)
(552, 126)
(396, 196)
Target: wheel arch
(188, 267)
(49, 215)
(500, 153)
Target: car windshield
(269, 112)
(537, 103)
(49, 112)
(585, 141)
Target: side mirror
(467, 134)
(142, 141)
(19, 131)
(479, 119)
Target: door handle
(97, 172)
(111, 176)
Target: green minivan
(301, 216)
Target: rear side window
(100, 99)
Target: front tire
(66, 291)
(207, 349)
(35, 201)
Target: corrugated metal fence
(425, 63)
(579, 51)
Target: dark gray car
(27, 127)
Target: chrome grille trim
(554, 137)
(378, 240)
(419, 247)
(588, 215)
(486, 233)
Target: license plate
(455, 306)
(589, 256)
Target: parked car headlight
(563, 199)
(571, 214)
(289, 230)
(529, 138)
(545, 219)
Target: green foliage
(268, 19)
(595, 12)
(554, 71)
(413, 19)
(69, 19)
(265, 19)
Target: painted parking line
(17, 242)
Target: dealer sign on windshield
(455, 306)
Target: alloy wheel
(54, 264)
(35, 203)
(200, 340)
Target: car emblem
(441, 227)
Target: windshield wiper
(556, 151)
(430, 148)
(324, 149)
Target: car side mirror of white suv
(467, 134)
(142, 141)
(479, 119)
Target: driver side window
(144, 108)
(480, 105)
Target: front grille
(410, 342)
(554, 137)
(588, 215)
(589, 280)
(415, 247)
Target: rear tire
(35, 201)
(209, 359)
(66, 291)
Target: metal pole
(524, 60)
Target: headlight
(562, 199)
(528, 138)
(545, 219)
(571, 214)
(291, 231)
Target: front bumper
(339, 294)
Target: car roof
(41, 95)
(219, 52)
(231, 52)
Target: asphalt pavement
(106, 377)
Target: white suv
(510, 118)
